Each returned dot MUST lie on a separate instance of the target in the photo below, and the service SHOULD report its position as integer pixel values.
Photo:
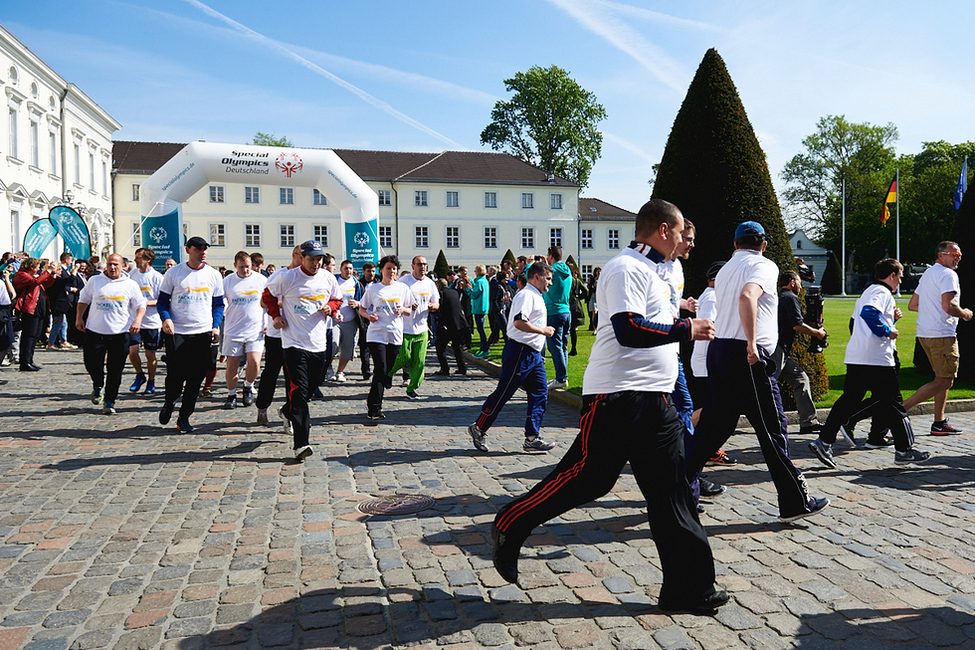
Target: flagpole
(843, 263)
(898, 202)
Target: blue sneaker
(137, 384)
(150, 388)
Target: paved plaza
(116, 532)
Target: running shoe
(911, 456)
(96, 395)
(183, 425)
(340, 377)
(411, 395)
(230, 403)
(248, 396)
(137, 384)
(109, 409)
(823, 452)
(289, 428)
(301, 453)
(943, 429)
(722, 458)
(537, 444)
(815, 507)
(166, 413)
(262, 418)
(710, 488)
(477, 437)
(150, 388)
(844, 439)
(206, 392)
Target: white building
(604, 230)
(815, 256)
(473, 206)
(55, 148)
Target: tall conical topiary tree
(964, 236)
(714, 170)
(440, 267)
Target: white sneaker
(301, 453)
(340, 377)
(557, 384)
(331, 375)
(289, 428)
(406, 382)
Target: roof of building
(598, 210)
(447, 166)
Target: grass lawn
(836, 316)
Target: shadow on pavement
(168, 457)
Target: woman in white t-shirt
(384, 304)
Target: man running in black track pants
(273, 357)
(741, 375)
(628, 416)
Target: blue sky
(424, 75)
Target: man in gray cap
(741, 379)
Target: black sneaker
(707, 606)
(878, 444)
(411, 395)
(911, 456)
(376, 415)
(183, 426)
(248, 396)
(710, 488)
(505, 559)
(166, 413)
(815, 507)
(303, 452)
(231, 403)
(944, 429)
(823, 452)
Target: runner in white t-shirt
(273, 356)
(349, 327)
(150, 336)
(243, 326)
(302, 301)
(117, 307)
(385, 304)
(937, 301)
(413, 352)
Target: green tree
(715, 171)
(269, 140)
(510, 257)
(550, 122)
(862, 155)
(441, 268)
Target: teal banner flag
(39, 236)
(73, 231)
(362, 243)
(164, 236)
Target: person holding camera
(786, 368)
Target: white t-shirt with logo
(529, 303)
(243, 316)
(149, 283)
(933, 322)
(631, 282)
(302, 298)
(382, 300)
(192, 292)
(113, 304)
(672, 272)
(426, 294)
(747, 266)
(706, 308)
(348, 289)
(866, 348)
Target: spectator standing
(117, 307)
(480, 294)
(30, 282)
(452, 326)
(937, 301)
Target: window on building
(798, 244)
(216, 194)
(453, 199)
(252, 235)
(218, 234)
(252, 194)
(91, 170)
(453, 236)
(528, 238)
(286, 195)
(527, 200)
(421, 235)
(586, 273)
(35, 144)
(136, 234)
(320, 234)
(555, 237)
(490, 237)
(585, 238)
(54, 153)
(104, 178)
(13, 132)
(135, 192)
(420, 198)
(286, 235)
(385, 237)
(317, 198)
(613, 239)
(490, 199)
(385, 197)
(77, 163)
(555, 201)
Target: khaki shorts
(943, 355)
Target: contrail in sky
(378, 103)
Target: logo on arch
(289, 163)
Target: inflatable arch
(201, 163)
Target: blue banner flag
(73, 231)
(164, 236)
(362, 243)
(962, 184)
(38, 237)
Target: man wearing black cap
(309, 299)
(741, 378)
(190, 304)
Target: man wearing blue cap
(741, 375)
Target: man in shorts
(349, 327)
(243, 327)
(937, 302)
(149, 281)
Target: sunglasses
(955, 254)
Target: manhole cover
(395, 505)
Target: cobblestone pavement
(118, 533)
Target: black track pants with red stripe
(302, 371)
(644, 429)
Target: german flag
(890, 198)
